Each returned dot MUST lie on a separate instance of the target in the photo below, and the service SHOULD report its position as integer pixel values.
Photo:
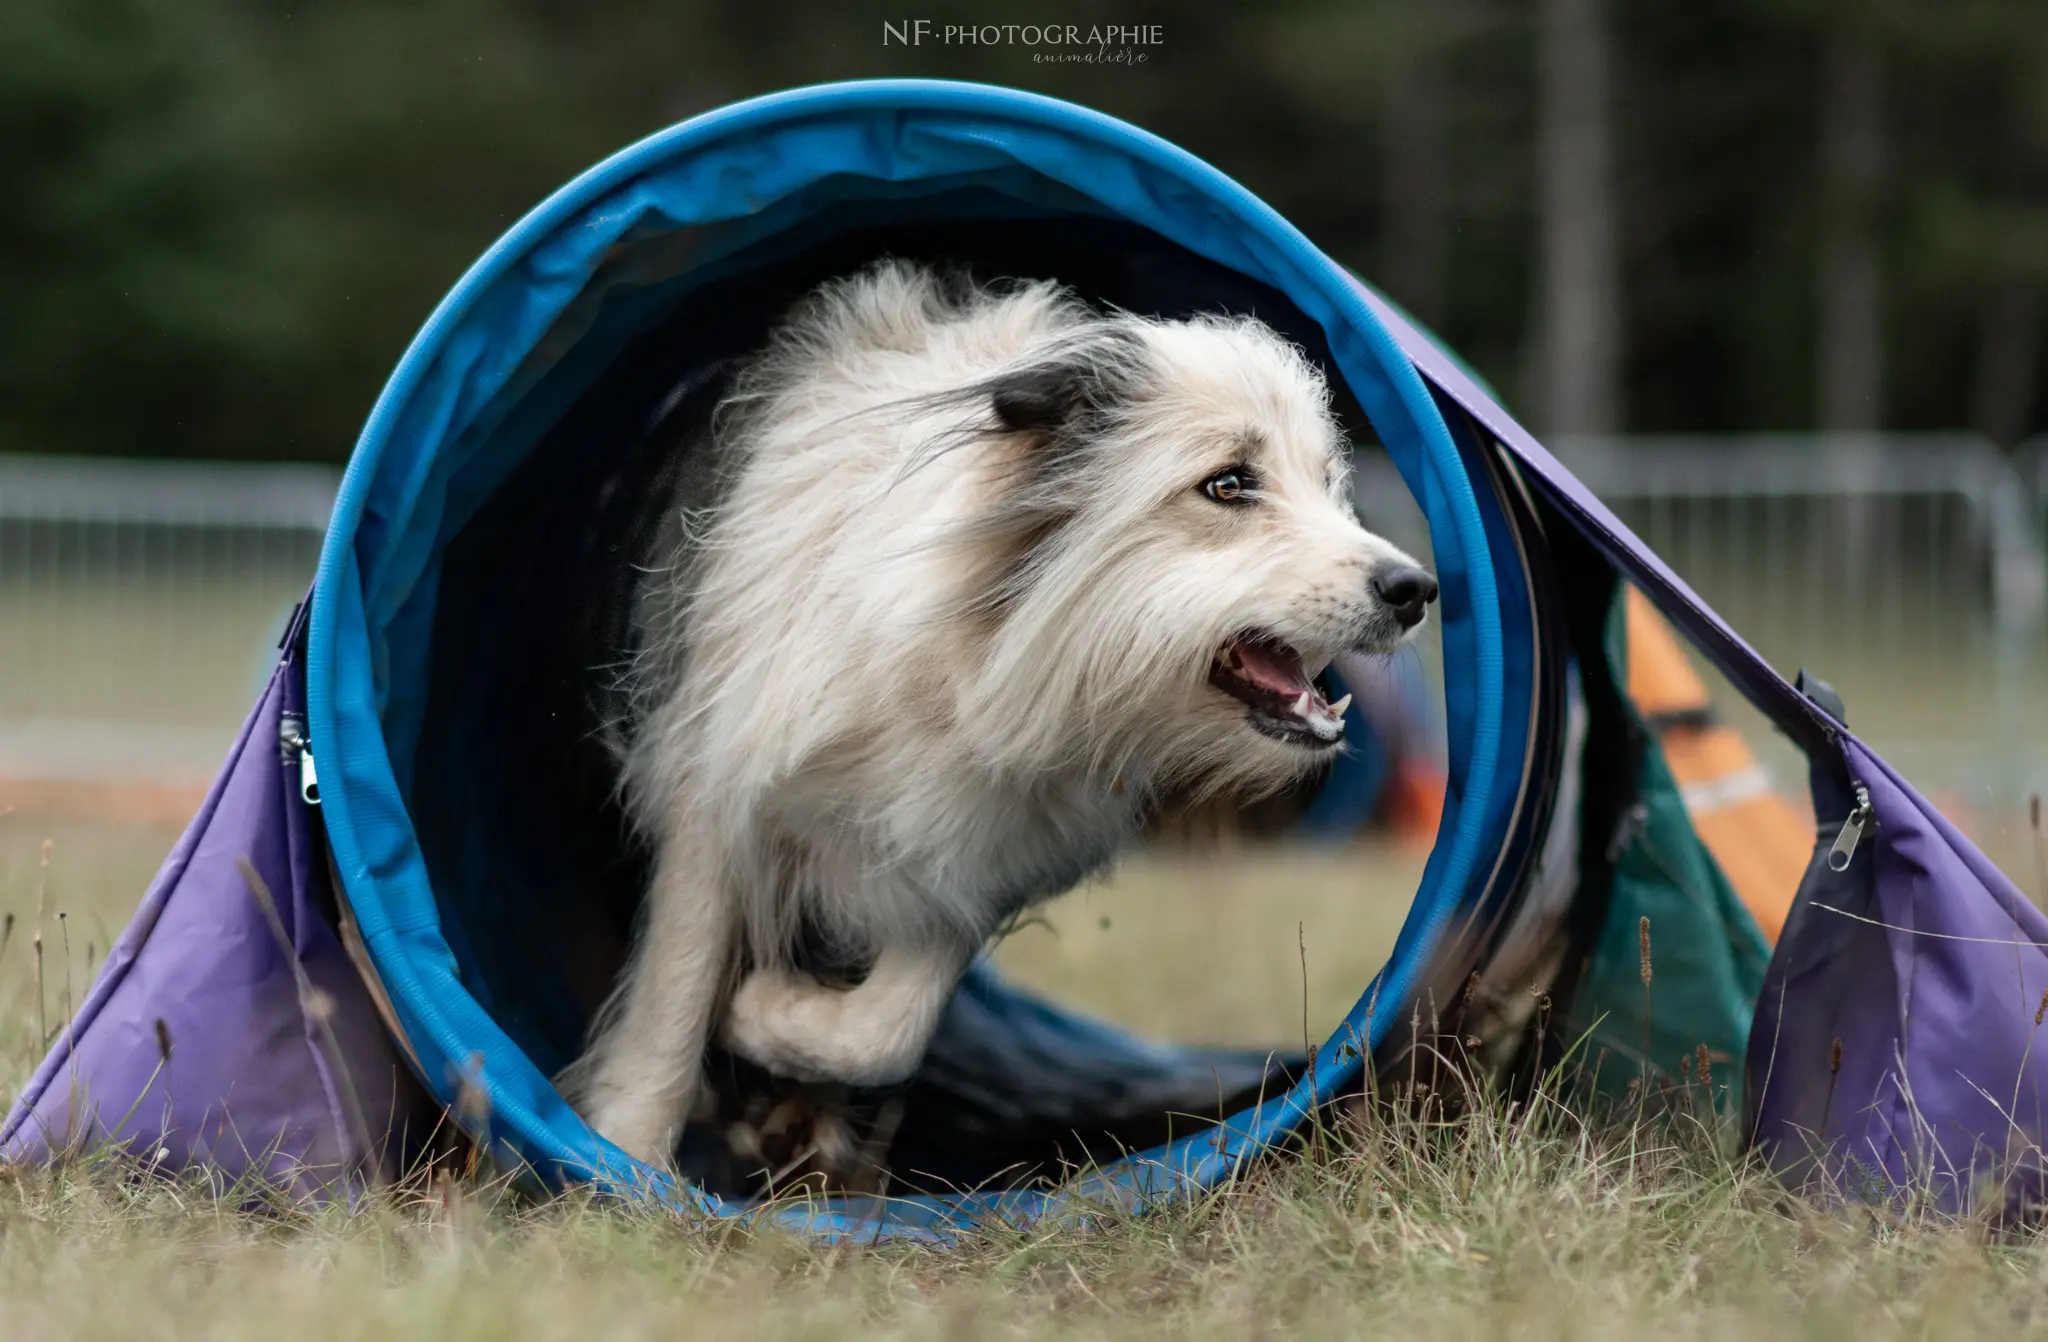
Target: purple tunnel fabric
(1896, 1040)
(215, 1037)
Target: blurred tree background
(223, 219)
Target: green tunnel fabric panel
(1707, 955)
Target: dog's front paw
(645, 1130)
(633, 1106)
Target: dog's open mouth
(1283, 701)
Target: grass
(1254, 948)
(1508, 1223)
(1523, 1221)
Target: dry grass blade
(319, 1009)
(2040, 850)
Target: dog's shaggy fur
(971, 575)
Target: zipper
(292, 739)
(1844, 850)
(1628, 827)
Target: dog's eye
(1228, 486)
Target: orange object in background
(1760, 840)
(1413, 806)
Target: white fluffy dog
(972, 575)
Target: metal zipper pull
(1628, 827)
(1852, 832)
(291, 736)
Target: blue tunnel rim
(350, 733)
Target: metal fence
(139, 601)
(138, 605)
(1908, 570)
(2030, 463)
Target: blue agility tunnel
(452, 878)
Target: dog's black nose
(1408, 590)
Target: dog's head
(1177, 557)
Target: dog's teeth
(1337, 709)
(1301, 705)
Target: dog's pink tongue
(1271, 668)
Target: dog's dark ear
(1052, 394)
(1041, 397)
